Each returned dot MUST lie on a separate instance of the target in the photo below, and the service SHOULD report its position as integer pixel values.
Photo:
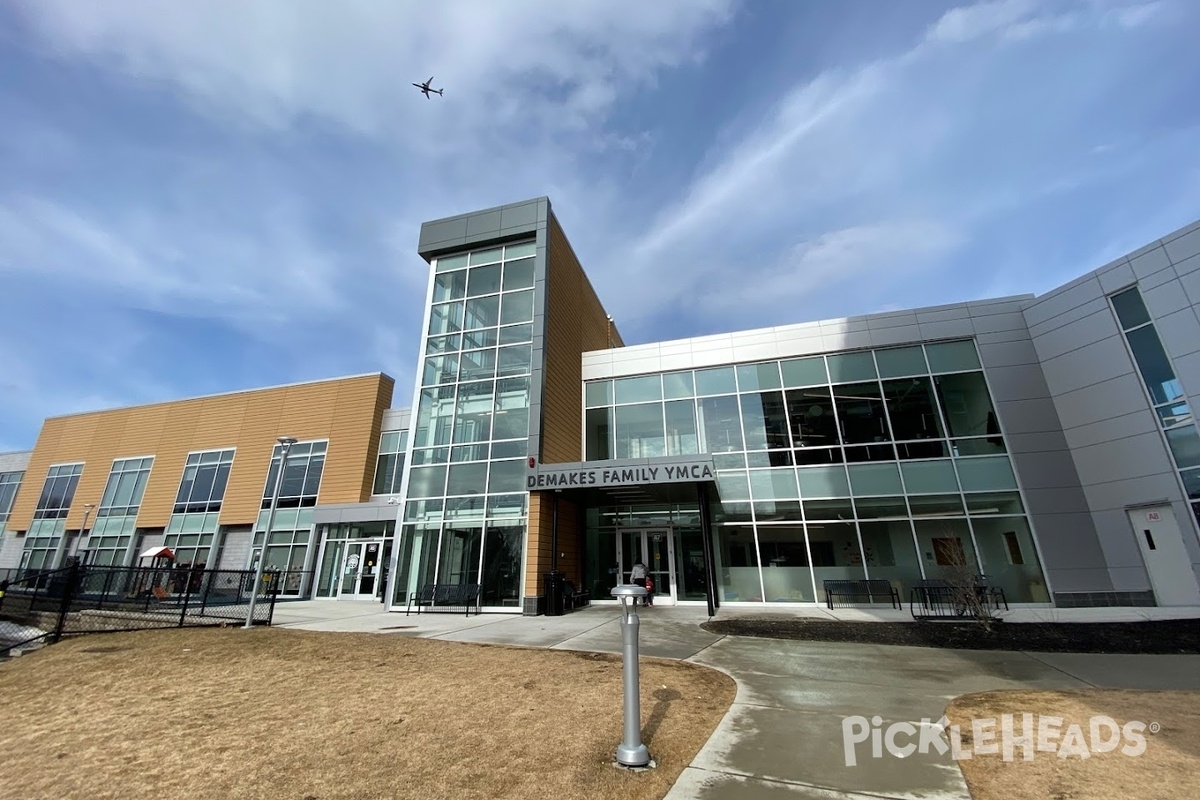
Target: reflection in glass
(681, 428)
(812, 418)
(1154, 365)
(860, 412)
(1010, 560)
(719, 424)
(737, 564)
(764, 420)
(639, 432)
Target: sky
(212, 196)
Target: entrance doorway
(655, 547)
(1158, 535)
(360, 574)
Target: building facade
(196, 476)
(1045, 442)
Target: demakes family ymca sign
(600, 474)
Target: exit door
(655, 547)
(1166, 557)
(360, 571)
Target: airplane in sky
(424, 87)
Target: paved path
(782, 738)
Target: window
(126, 482)
(58, 491)
(389, 468)
(202, 488)
(10, 482)
(301, 475)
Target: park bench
(938, 598)
(870, 589)
(445, 597)
(574, 599)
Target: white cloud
(887, 253)
(972, 22)
(279, 62)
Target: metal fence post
(64, 607)
(208, 579)
(187, 595)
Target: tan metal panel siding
(539, 555)
(348, 412)
(575, 322)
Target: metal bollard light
(631, 752)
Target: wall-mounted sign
(597, 474)
(1152, 516)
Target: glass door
(360, 570)
(655, 548)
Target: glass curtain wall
(191, 532)
(44, 543)
(1166, 393)
(287, 547)
(389, 468)
(884, 463)
(465, 509)
(112, 534)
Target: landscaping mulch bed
(1159, 636)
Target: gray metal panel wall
(1114, 438)
(11, 547)
(1069, 548)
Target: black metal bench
(574, 599)
(870, 589)
(938, 598)
(445, 597)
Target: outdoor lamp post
(631, 752)
(286, 443)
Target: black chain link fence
(46, 606)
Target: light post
(87, 510)
(286, 443)
(631, 752)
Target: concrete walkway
(782, 738)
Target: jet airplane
(424, 87)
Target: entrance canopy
(625, 481)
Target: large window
(58, 491)
(389, 469)
(202, 488)
(1166, 393)
(10, 482)
(466, 498)
(126, 483)
(111, 537)
(872, 462)
(301, 475)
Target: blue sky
(203, 197)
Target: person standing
(637, 574)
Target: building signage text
(551, 478)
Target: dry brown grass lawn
(294, 714)
(1169, 767)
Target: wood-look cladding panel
(575, 322)
(348, 412)
(539, 555)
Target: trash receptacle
(554, 594)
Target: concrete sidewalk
(783, 735)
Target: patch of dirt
(1158, 636)
(1168, 766)
(205, 713)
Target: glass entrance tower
(502, 284)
